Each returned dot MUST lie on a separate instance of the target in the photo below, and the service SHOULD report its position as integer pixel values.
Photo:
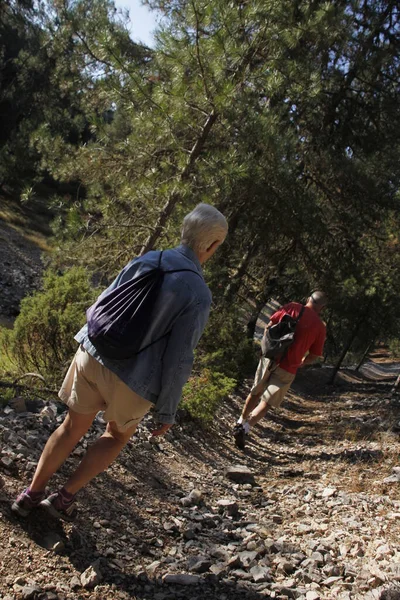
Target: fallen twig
(30, 375)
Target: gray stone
(181, 579)
(29, 592)
(195, 496)
(10, 437)
(240, 474)
(328, 492)
(312, 595)
(287, 567)
(240, 574)
(49, 411)
(260, 574)
(153, 567)
(189, 534)
(52, 541)
(218, 569)
(199, 564)
(6, 461)
(286, 591)
(394, 478)
(318, 558)
(75, 583)
(92, 576)
(230, 507)
(246, 558)
(331, 580)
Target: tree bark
(175, 196)
(237, 78)
(365, 354)
(346, 349)
(236, 280)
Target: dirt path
(318, 520)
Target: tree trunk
(346, 349)
(175, 196)
(365, 354)
(238, 78)
(236, 280)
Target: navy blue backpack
(118, 321)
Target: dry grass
(39, 240)
(31, 218)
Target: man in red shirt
(273, 378)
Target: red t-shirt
(309, 336)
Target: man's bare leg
(249, 405)
(258, 413)
(242, 427)
(253, 398)
(59, 446)
(98, 457)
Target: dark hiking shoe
(240, 436)
(59, 508)
(26, 502)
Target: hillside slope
(320, 519)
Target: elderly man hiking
(112, 371)
(274, 377)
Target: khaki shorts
(90, 387)
(273, 384)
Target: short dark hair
(319, 298)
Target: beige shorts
(273, 384)
(90, 387)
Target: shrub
(43, 335)
(223, 357)
(394, 347)
(6, 394)
(224, 347)
(203, 393)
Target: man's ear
(213, 245)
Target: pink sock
(34, 495)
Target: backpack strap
(176, 270)
(277, 363)
(170, 271)
(159, 259)
(300, 314)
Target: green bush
(43, 335)
(6, 394)
(394, 347)
(203, 393)
(224, 347)
(224, 357)
(7, 366)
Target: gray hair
(202, 227)
(319, 298)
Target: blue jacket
(159, 373)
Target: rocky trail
(311, 509)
